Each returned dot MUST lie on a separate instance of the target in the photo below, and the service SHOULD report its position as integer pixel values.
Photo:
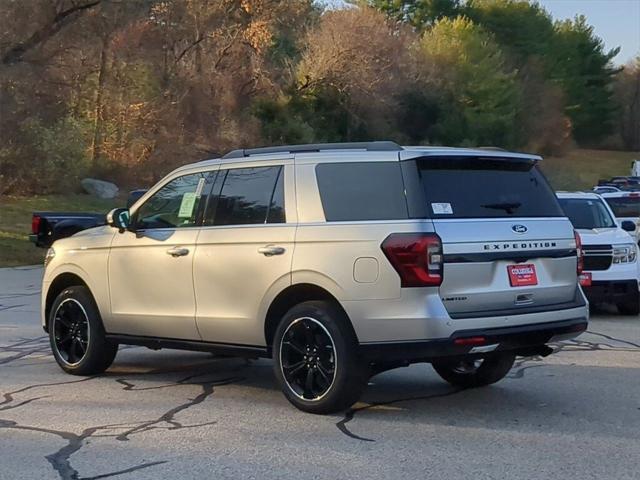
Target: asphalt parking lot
(575, 414)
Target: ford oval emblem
(519, 228)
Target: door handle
(178, 252)
(271, 250)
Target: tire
(76, 333)
(328, 379)
(630, 307)
(490, 370)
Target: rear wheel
(76, 333)
(475, 372)
(316, 358)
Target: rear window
(472, 187)
(356, 191)
(625, 206)
(587, 213)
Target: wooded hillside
(127, 90)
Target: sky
(617, 22)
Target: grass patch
(15, 222)
(581, 169)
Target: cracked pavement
(575, 414)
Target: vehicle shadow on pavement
(543, 395)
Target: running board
(157, 343)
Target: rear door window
(248, 196)
(472, 187)
(359, 191)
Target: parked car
(600, 189)
(338, 261)
(610, 271)
(630, 184)
(47, 227)
(625, 206)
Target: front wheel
(477, 372)
(316, 359)
(76, 333)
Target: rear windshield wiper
(507, 207)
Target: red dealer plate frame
(522, 275)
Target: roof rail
(381, 146)
(493, 149)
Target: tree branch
(186, 50)
(16, 53)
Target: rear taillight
(35, 224)
(417, 257)
(579, 252)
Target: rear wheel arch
(294, 295)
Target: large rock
(99, 188)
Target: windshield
(485, 187)
(625, 206)
(587, 213)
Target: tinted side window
(361, 191)
(175, 205)
(249, 195)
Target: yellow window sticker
(187, 205)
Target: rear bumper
(523, 339)
(35, 239)
(611, 291)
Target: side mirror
(628, 226)
(119, 218)
(134, 195)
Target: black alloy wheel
(71, 331)
(316, 358)
(76, 333)
(308, 358)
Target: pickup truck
(47, 227)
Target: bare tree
(358, 53)
(63, 13)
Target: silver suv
(339, 261)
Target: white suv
(611, 267)
(338, 261)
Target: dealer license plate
(522, 275)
